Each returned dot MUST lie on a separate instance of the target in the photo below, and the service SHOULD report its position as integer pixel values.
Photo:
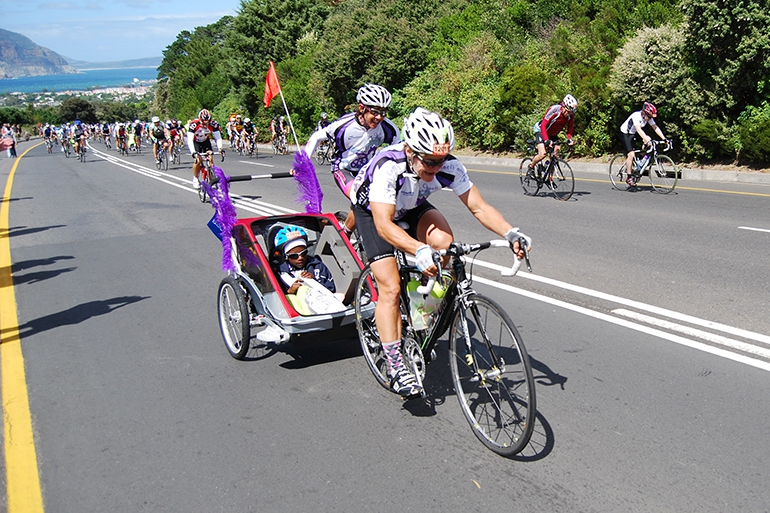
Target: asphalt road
(136, 405)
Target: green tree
(728, 47)
(268, 30)
(78, 108)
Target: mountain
(21, 57)
(147, 62)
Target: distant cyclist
(632, 128)
(323, 122)
(547, 129)
(160, 136)
(199, 137)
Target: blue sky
(110, 30)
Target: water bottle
(644, 161)
(416, 305)
(423, 308)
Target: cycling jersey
(554, 121)
(628, 126)
(158, 132)
(248, 128)
(355, 144)
(199, 133)
(388, 179)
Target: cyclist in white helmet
(357, 136)
(395, 186)
(547, 129)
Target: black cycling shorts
(202, 147)
(628, 141)
(375, 246)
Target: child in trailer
(305, 279)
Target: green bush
(754, 130)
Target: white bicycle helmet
(571, 103)
(428, 133)
(373, 95)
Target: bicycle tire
(319, 157)
(233, 312)
(563, 185)
(500, 408)
(366, 327)
(664, 175)
(529, 181)
(618, 172)
(158, 162)
(201, 190)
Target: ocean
(86, 79)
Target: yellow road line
(678, 187)
(22, 477)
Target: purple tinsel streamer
(310, 194)
(225, 216)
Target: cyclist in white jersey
(357, 136)
(632, 127)
(394, 186)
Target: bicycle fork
(483, 377)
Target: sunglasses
(294, 256)
(430, 162)
(377, 112)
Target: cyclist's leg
(430, 227)
(628, 145)
(540, 150)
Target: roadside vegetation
(492, 67)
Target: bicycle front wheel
(618, 172)
(563, 184)
(366, 301)
(493, 376)
(234, 318)
(663, 175)
(320, 156)
(529, 181)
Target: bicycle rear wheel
(366, 301)
(563, 184)
(493, 376)
(663, 175)
(618, 172)
(528, 178)
(202, 190)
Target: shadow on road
(15, 231)
(74, 315)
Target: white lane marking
(694, 332)
(255, 163)
(257, 207)
(759, 364)
(754, 229)
(738, 332)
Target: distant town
(136, 92)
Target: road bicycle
(553, 173)
(66, 146)
(491, 370)
(251, 146)
(661, 170)
(176, 152)
(207, 174)
(122, 146)
(49, 145)
(82, 150)
(324, 152)
(161, 163)
(279, 145)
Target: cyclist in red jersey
(199, 141)
(556, 118)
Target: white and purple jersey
(388, 179)
(355, 145)
(628, 127)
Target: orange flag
(272, 86)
